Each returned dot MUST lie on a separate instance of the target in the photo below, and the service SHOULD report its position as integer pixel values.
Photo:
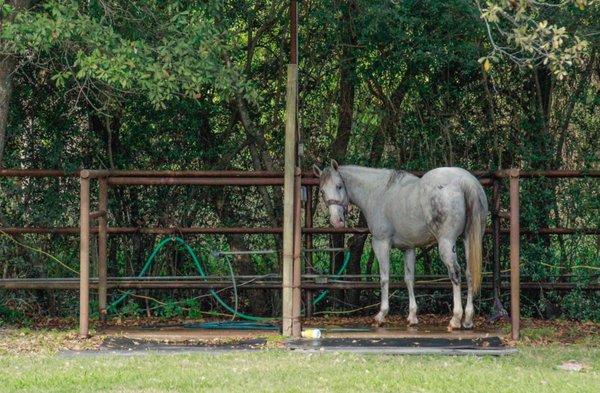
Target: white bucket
(311, 333)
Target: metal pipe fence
(109, 179)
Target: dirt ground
(53, 334)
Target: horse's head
(334, 194)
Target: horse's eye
(339, 187)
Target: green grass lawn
(533, 369)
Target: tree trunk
(347, 82)
(347, 88)
(7, 67)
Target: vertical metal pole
(296, 295)
(308, 244)
(293, 32)
(289, 189)
(84, 254)
(514, 254)
(102, 240)
(288, 200)
(499, 311)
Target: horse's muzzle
(338, 222)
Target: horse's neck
(364, 184)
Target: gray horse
(405, 212)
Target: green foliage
(5, 9)
(578, 305)
(521, 32)
(201, 85)
(10, 316)
(182, 58)
(131, 309)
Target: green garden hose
(221, 325)
(341, 271)
(200, 270)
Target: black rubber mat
(127, 344)
(479, 346)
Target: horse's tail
(477, 208)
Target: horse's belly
(415, 236)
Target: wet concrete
(483, 346)
(422, 331)
(402, 340)
(123, 346)
(193, 332)
(393, 340)
(181, 333)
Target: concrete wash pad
(491, 346)
(361, 340)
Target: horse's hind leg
(448, 253)
(409, 278)
(469, 311)
(382, 252)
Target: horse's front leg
(382, 252)
(409, 279)
(448, 253)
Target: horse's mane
(395, 177)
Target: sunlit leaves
(184, 57)
(5, 9)
(523, 33)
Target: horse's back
(442, 198)
(446, 175)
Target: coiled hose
(215, 295)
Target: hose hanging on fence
(341, 271)
(215, 295)
(200, 270)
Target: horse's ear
(334, 164)
(316, 170)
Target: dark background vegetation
(200, 85)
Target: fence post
(84, 253)
(297, 271)
(102, 240)
(308, 244)
(288, 201)
(499, 311)
(514, 254)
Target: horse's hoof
(453, 325)
(377, 324)
(378, 320)
(467, 326)
(412, 320)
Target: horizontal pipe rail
(207, 174)
(197, 181)
(273, 283)
(308, 178)
(258, 230)
(37, 173)
(558, 174)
